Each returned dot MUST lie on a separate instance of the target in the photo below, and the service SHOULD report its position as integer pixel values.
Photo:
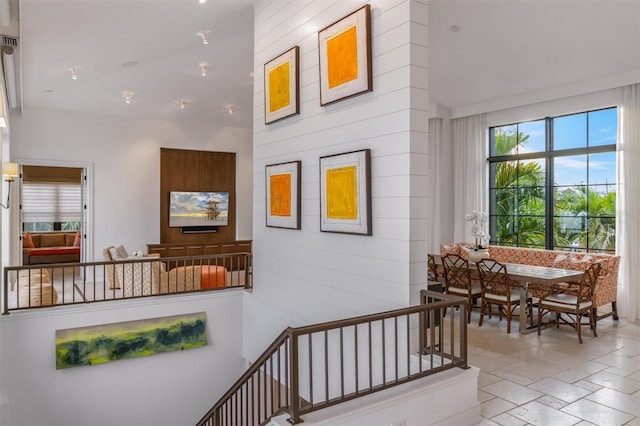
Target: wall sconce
(11, 170)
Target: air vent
(9, 41)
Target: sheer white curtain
(628, 216)
(470, 173)
(436, 171)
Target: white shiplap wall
(309, 276)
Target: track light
(203, 70)
(127, 97)
(203, 36)
(183, 103)
(74, 76)
(230, 109)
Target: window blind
(51, 202)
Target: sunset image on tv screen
(198, 209)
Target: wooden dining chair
(432, 268)
(571, 304)
(496, 289)
(457, 280)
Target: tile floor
(552, 379)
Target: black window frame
(548, 156)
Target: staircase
(328, 365)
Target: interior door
(84, 218)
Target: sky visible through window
(595, 128)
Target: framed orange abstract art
(345, 193)
(281, 86)
(283, 195)
(345, 57)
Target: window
(51, 206)
(553, 182)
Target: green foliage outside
(48, 226)
(584, 219)
(140, 341)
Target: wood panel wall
(206, 171)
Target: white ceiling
(503, 49)
(509, 48)
(99, 36)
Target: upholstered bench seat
(50, 247)
(213, 276)
(54, 251)
(192, 277)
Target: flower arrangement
(482, 237)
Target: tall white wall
(308, 276)
(175, 388)
(163, 390)
(125, 154)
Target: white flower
(479, 220)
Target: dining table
(544, 275)
(527, 274)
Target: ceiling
(152, 48)
(509, 48)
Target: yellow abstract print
(279, 87)
(280, 191)
(342, 57)
(342, 193)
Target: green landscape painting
(131, 339)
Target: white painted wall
(171, 389)
(309, 276)
(126, 157)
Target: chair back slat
(456, 271)
(432, 269)
(588, 283)
(494, 277)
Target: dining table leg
(524, 287)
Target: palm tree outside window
(553, 182)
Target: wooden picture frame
(282, 86)
(345, 193)
(345, 57)
(282, 186)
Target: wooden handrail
(259, 363)
(252, 398)
(51, 285)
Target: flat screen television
(194, 209)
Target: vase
(476, 256)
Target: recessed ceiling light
(455, 28)
(202, 1)
(127, 97)
(203, 36)
(130, 64)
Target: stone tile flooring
(551, 379)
